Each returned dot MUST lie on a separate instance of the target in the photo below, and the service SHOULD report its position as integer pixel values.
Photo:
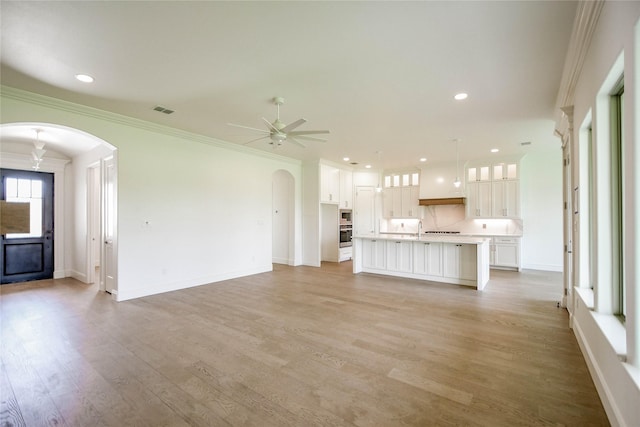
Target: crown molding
(58, 104)
(584, 25)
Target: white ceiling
(379, 75)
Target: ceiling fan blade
(309, 132)
(250, 128)
(270, 125)
(292, 126)
(257, 139)
(297, 142)
(308, 138)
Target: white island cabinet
(450, 259)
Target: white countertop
(463, 234)
(448, 238)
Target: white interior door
(282, 218)
(93, 223)
(109, 223)
(364, 221)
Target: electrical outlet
(484, 225)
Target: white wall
(208, 203)
(541, 198)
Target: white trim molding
(584, 25)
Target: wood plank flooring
(298, 346)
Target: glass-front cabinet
(493, 190)
(401, 195)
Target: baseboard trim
(126, 294)
(543, 267)
(78, 276)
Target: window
(617, 197)
(593, 260)
(26, 191)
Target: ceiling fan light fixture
(277, 132)
(278, 137)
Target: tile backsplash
(451, 218)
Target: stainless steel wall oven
(346, 227)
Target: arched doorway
(283, 188)
(69, 154)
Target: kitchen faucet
(419, 227)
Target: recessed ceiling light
(368, 166)
(84, 78)
(460, 96)
(423, 159)
(494, 150)
(346, 159)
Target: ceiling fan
(277, 132)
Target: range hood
(443, 201)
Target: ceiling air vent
(525, 143)
(162, 109)
(353, 163)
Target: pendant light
(38, 151)
(457, 182)
(379, 187)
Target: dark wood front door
(28, 256)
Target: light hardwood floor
(295, 347)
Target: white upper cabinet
(479, 199)
(336, 186)
(401, 202)
(329, 184)
(410, 202)
(392, 202)
(346, 189)
(506, 199)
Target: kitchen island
(459, 260)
